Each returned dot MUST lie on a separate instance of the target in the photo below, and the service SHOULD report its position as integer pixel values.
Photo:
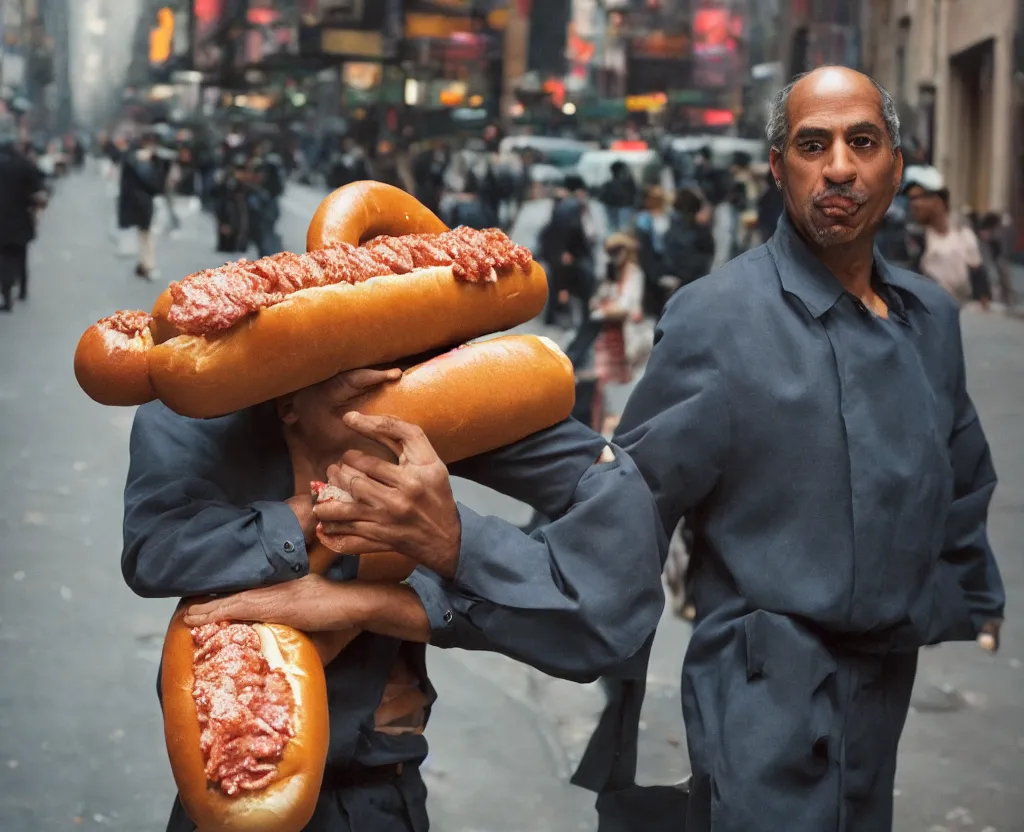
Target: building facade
(815, 33)
(954, 68)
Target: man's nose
(840, 167)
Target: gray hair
(777, 129)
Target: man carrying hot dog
(222, 506)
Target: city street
(81, 743)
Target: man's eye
(862, 142)
(812, 147)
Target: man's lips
(836, 206)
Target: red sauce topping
(129, 323)
(244, 707)
(217, 299)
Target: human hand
(406, 507)
(350, 385)
(988, 637)
(312, 604)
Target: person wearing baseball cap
(951, 254)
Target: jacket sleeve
(578, 596)
(967, 549)
(182, 535)
(676, 424)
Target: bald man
(805, 411)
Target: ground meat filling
(244, 708)
(216, 299)
(129, 323)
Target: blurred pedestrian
(689, 246)
(142, 179)
(264, 184)
(996, 230)
(428, 170)
(619, 196)
(727, 197)
(650, 226)
(950, 248)
(617, 309)
(469, 207)
(22, 192)
(350, 165)
(567, 246)
(230, 204)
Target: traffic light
(161, 38)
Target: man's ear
(286, 409)
(897, 170)
(775, 163)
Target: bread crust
(481, 396)
(162, 328)
(358, 212)
(315, 333)
(354, 214)
(288, 803)
(112, 367)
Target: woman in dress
(616, 305)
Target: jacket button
(448, 616)
(289, 547)
(297, 567)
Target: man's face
(838, 169)
(315, 415)
(923, 204)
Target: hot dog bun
(112, 360)
(388, 567)
(315, 333)
(162, 329)
(288, 803)
(481, 396)
(360, 211)
(354, 214)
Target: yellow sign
(352, 42)
(437, 26)
(653, 103)
(498, 19)
(162, 37)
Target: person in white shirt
(951, 249)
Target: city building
(815, 33)
(956, 71)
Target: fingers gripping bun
(481, 396)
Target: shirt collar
(802, 274)
(903, 287)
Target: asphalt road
(81, 743)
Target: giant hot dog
(251, 331)
(353, 214)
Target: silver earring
(778, 184)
